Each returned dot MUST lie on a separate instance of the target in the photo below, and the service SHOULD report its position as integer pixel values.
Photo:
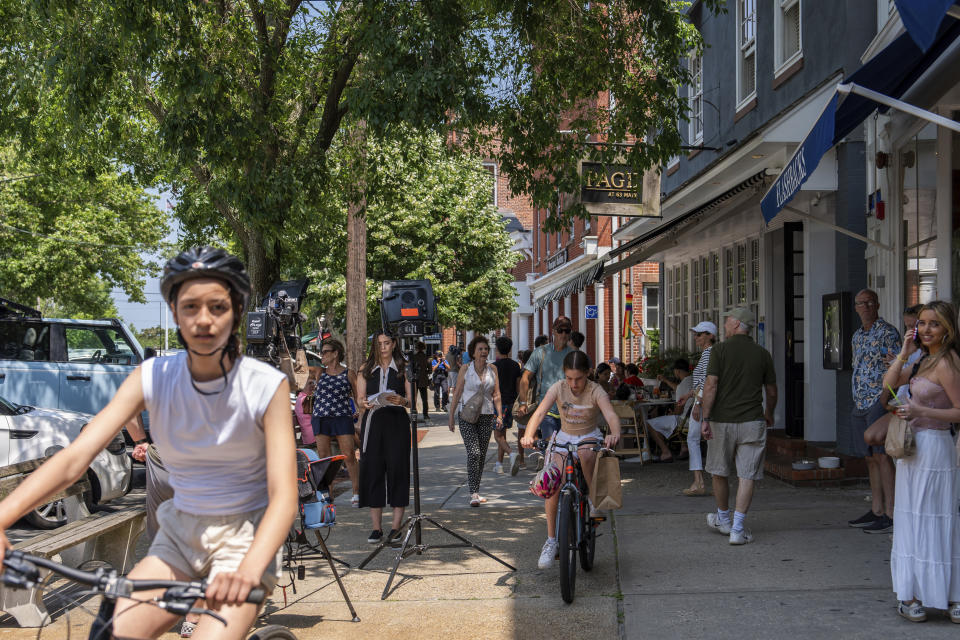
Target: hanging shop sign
(557, 259)
(613, 190)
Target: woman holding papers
(383, 393)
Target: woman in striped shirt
(705, 335)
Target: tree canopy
(236, 104)
(68, 234)
(431, 218)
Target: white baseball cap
(705, 327)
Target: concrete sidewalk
(660, 573)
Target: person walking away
(421, 369)
(705, 336)
(477, 378)
(439, 371)
(383, 395)
(453, 362)
(541, 340)
(581, 402)
(925, 557)
(332, 412)
(546, 367)
(508, 373)
(735, 421)
(875, 344)
(577, 339)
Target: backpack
(314, 476)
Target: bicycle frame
(574, 479)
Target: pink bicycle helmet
(547, 482)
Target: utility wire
(37, 234)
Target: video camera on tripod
(273, 330)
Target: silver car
(28, 433)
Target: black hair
(504, 345)
(633, 369)
(682, 364)
(577, 339)
(603, 366)
(473, 344)
(576, 361)
(913, 311)
(540, 341)
(524, 356)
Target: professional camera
(277, 320)
(407, 308)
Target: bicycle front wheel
(567, 544)
(273, 632)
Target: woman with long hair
(477, 377)
(332, 413)
(383, 394)
(581, 402)
(925, 558)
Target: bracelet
(140, 441)
(903, 360)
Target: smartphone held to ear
(916, 337)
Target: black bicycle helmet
(205, 262)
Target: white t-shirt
(213, 446)
(684, 387)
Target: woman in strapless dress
(925, 558)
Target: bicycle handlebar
(597, 445)
(22, 573)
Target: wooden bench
(109, 535)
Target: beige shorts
(743, 443)
(203, 546)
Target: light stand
(414, 522)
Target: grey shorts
(860, 421)
(739, 445)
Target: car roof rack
(9, 308)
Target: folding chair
(632, 437)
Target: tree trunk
(356, 284)
(261, 268)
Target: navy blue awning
(890, 73)
(922, 18)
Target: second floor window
(696, 99)
(788, 45)
(746, 50)
(492, 168)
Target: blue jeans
(549, 426)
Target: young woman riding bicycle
(221, 423)
(580, 402)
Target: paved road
(659, 572)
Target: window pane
(24, 341)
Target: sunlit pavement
(660, 573)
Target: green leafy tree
(236, 104)
(153, 337)
(69, 234)
(429, 217)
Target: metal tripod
(301, 539)
(413, 525)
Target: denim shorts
(332, 426)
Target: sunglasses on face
(328, 351)
(567, 330)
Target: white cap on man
(705, 327)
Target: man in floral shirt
(875, 343)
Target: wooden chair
(632, 437)
(683, 424)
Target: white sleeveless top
(213, 446)
(473, 383)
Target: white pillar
(555, 305)
(523, 339)
(582, 311)
(536, 323)
(601, 327)
(615, 292)
(566, 306)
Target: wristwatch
(140, 441)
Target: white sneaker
(498, 467)
(514, 463)
(355, 500)
(547, 554)
(714, 522)
(741, 537)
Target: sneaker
(539, 463)
(865, 520)
(955, 612)
(883, 524)
(714, 522)
(355, 500)
(914, 612)
(393, 535)
(514, 463)
(535, 461)
(498, 467)
(186, 629)
(375, 536)
(743, 536)
(547, 554)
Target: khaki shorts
(740, 442)
(203, 546)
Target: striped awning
(575, 284)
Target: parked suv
(55, 363)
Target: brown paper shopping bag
(605, 489)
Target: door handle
(81, 378)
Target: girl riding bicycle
(222, 425)
(580, 402)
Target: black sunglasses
(328, 351)
(567, 330)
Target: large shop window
(918, 175)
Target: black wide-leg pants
(385, 458)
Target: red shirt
(633, 381)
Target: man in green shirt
(735, 420)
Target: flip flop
(474, 502)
